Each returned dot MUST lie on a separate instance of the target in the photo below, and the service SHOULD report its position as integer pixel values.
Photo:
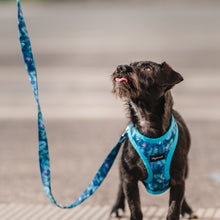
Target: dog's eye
(148, 68)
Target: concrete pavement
(95, 212)
(77, 46)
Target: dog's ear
(168, 77)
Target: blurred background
(77, 45)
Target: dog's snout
(123, 69)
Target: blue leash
(44, 159)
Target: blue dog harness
(156, 154)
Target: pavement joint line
(100, 214)
(57, 215)
(21, 212)
(6, 210)
(3, 209)
(81, 212)
(61, 213)
(12, 212)
(78, 213)
(159, 214)
(40, 214)
(90, 213)
(200, 212)
(27, 217)
(49, 213)
(96, 212)
(106, 215)
(70, 213)
(209, 213)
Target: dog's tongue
(121, 79)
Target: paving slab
(34, 212)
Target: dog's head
(144, 80)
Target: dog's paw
(117, 212)
(187, 212)
(190, 216)
(193, 216)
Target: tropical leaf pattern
(44, 160)
(162, 148)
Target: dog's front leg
(120, 202)
(177, 190)
(130, 186)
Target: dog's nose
(121, 68)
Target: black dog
(145, 87)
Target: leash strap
(44, 160)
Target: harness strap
(44, 159)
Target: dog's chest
(133, 163)
(156, 155)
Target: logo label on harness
(157, 157)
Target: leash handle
(44, 159)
